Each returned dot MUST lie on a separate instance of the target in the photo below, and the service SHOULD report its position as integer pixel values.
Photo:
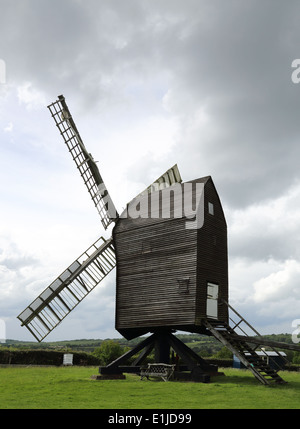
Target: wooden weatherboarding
(169, 247)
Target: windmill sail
(169, 178)
(84, 161)
(65, 293)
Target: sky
(206, 84)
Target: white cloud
(9, 127)
(30, 96)
(267, 229)
(281, 285)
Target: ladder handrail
(241, 317)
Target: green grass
(72, 388)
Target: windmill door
(212, 301)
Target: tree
(224, 353)
(296, 358)
(108, 351)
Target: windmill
(169, 247)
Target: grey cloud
(12, 258)
(242, 77)
(262, 247)
(16, 262)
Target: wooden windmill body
(172, 271)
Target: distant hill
(202, 344)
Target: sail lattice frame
(69, 289)
(84, 161)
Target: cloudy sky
(205, 84)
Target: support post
(162, 349)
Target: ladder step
(260, 368)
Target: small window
(210, 208)
(184, 285)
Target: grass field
(72, 388)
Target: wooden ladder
(244, 352)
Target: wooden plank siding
(163, 268)
(212, 255)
